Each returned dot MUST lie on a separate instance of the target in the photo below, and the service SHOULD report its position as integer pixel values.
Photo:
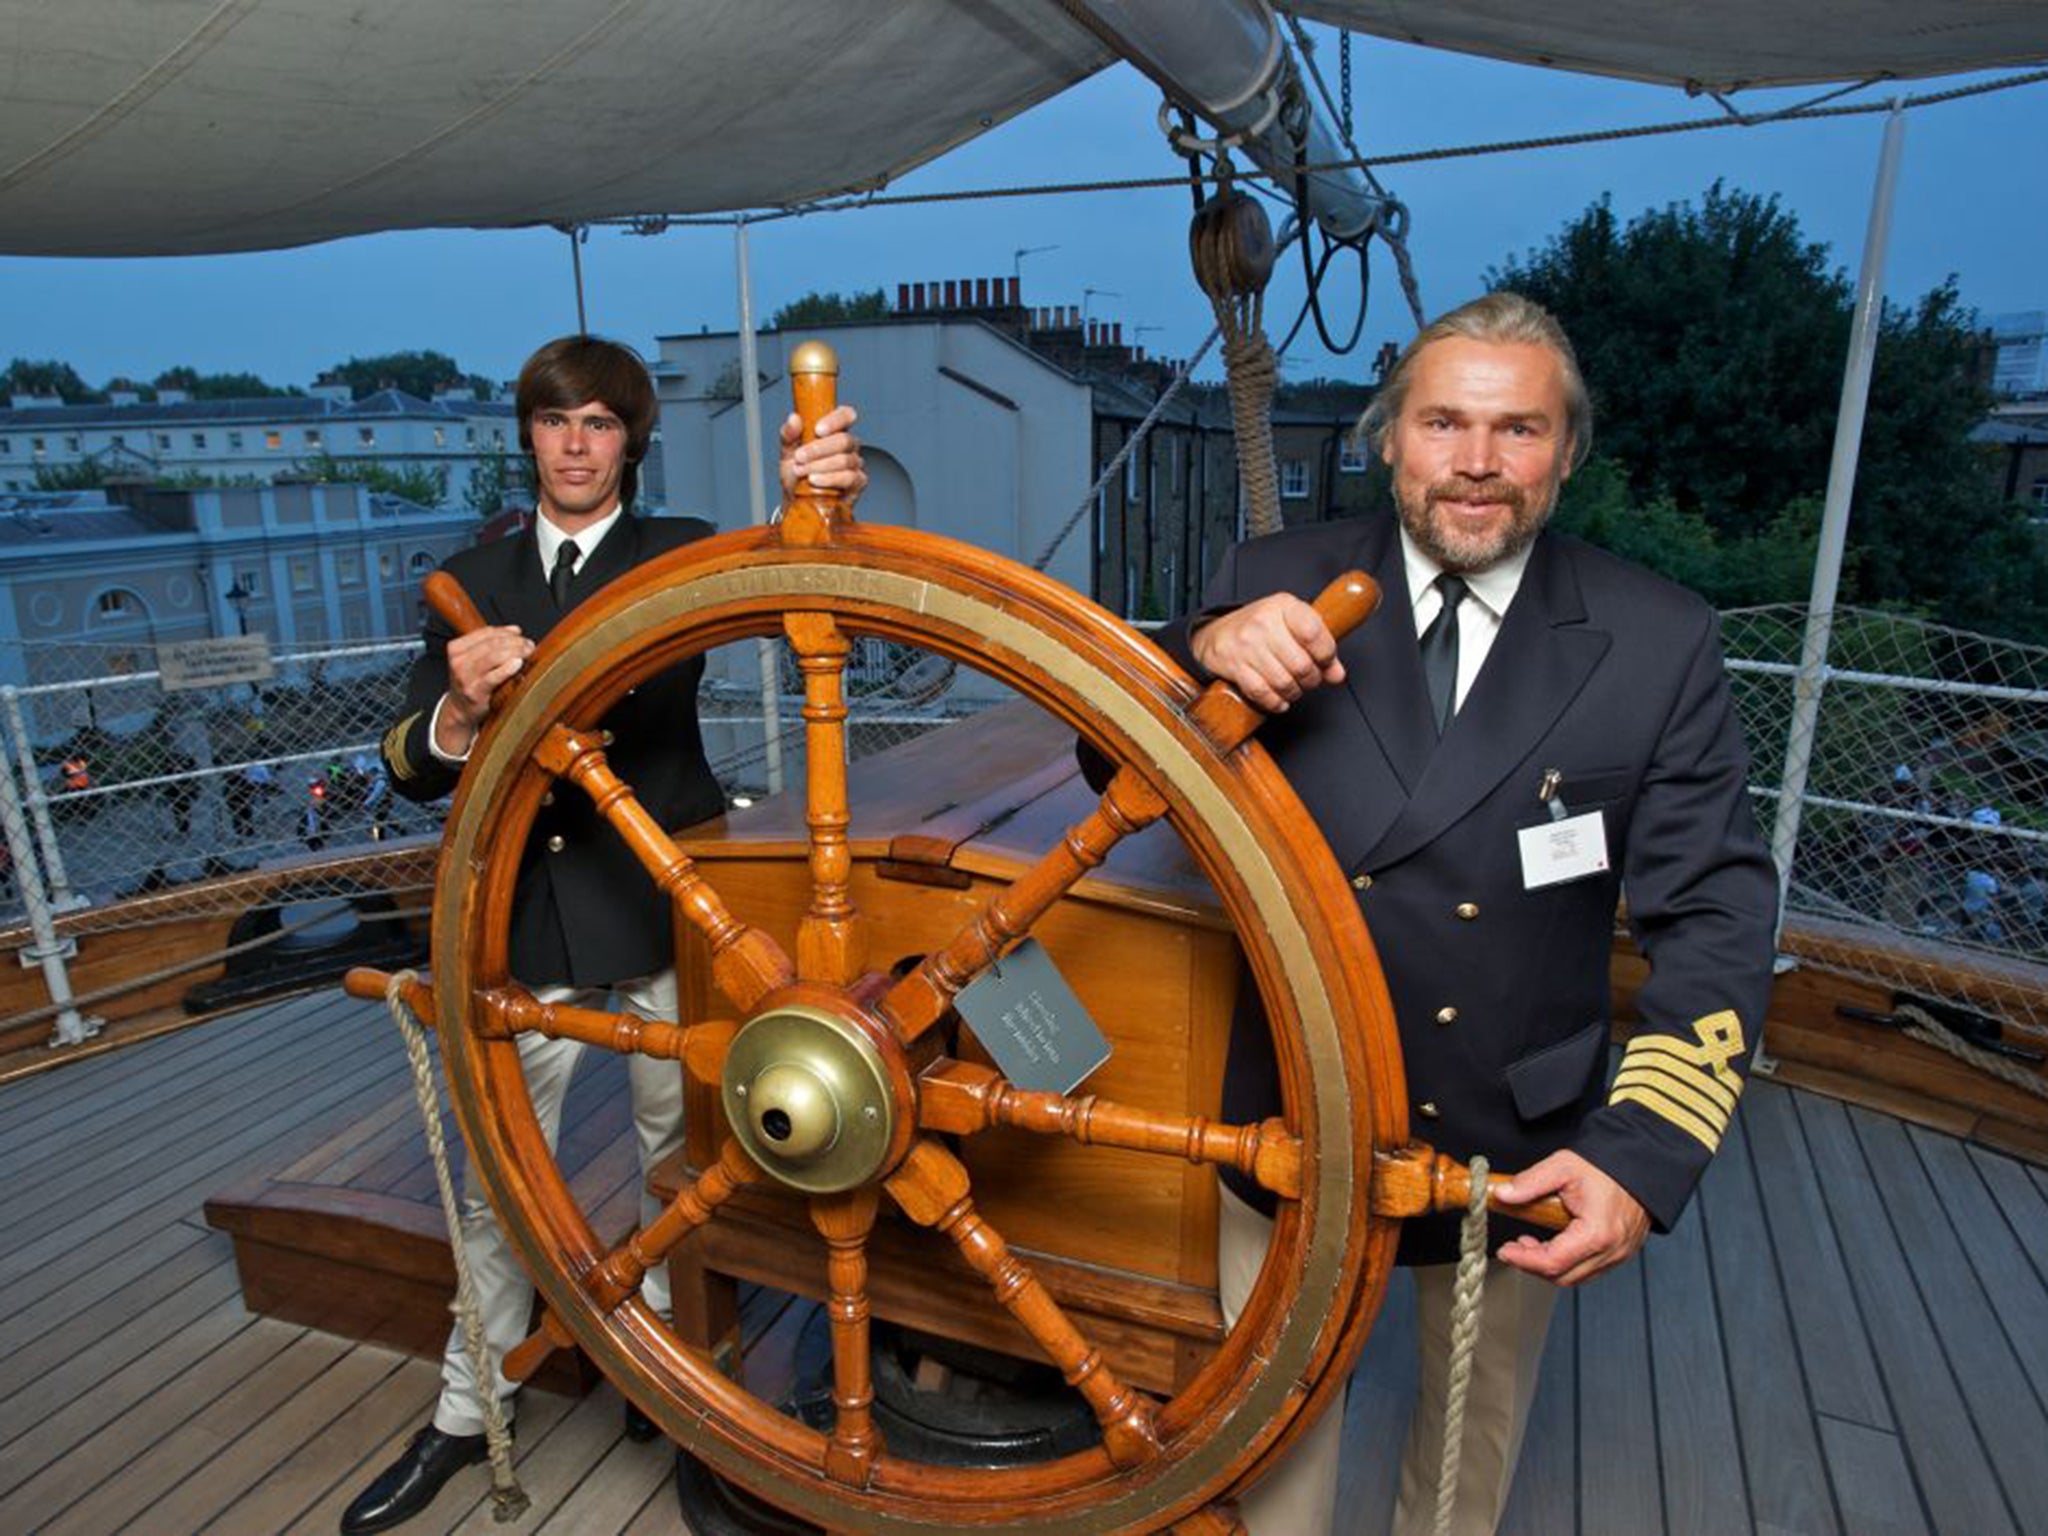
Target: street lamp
(239, 594)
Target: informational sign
(1028, 1019)
(214, 663)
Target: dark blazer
(584, 911)
(1613, 677)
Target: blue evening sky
(1968, 203)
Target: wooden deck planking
(1950, 1464)
(1834, 1345)
(1782, 1464)
(2008, 1418)
(1697, 1444)
(1620, 1481)
(1695, 1392)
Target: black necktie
(1440, 652)
(565, 568)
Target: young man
(1528, 730)
(586, 918)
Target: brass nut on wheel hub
(807, 1095)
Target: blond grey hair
(1500, 318)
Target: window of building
(1352, 456)
(302, 573)
(250, 579)
(1133, 489)
(117, 604)
(497, 437)
(469, 436)
(440, 437)
(348, 568)
(199, 441)
(1294, 479)
(6, 445)
(163, 441)
(118, 440)
(235, 441)
(35, 445)
(2041, 493)
(367, 436)
(312, 437)
(71, 443)
(387, 564)
(420, 563)
(273, 439)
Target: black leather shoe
(639, 1427)
(409, 1484)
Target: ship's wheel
(833, 1079)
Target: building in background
(463, 442)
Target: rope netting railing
(1924, 823)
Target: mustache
(1505, 492)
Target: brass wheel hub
(807, 1094)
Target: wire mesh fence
(1925, 811)
(1924, 817)
(125, 788)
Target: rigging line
(1115, 465)
(1306, 48)
(1366, 163)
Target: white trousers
(1299, 1497)
(504, 1294)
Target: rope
(657, 223)
(1253, 372)
(1929, 1030)
(508, 1499)
(1468, 1296)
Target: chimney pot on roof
(1016, 292)
(902, 298)
(952, 294)
(1116, 333)
(981, 293)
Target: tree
(48, 377)
(417, 373)
(831, 309)
(426, 486)
(217, 386)
(499, 478)
(1712, 339)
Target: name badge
(1569, 848)
(1029, 1020)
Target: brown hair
(1499, 318)
(573, 369)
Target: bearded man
(1529, 730)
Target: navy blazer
(585, 912)
(1612, 677)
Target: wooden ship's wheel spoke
(828, 945)
(932, 1189)
(960, 1098)
(504, 1013)
(923, 997)
(746, 962)
(845, 1221)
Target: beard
(1464, 550)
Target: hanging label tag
(1557, 851)
(1028, 1019)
